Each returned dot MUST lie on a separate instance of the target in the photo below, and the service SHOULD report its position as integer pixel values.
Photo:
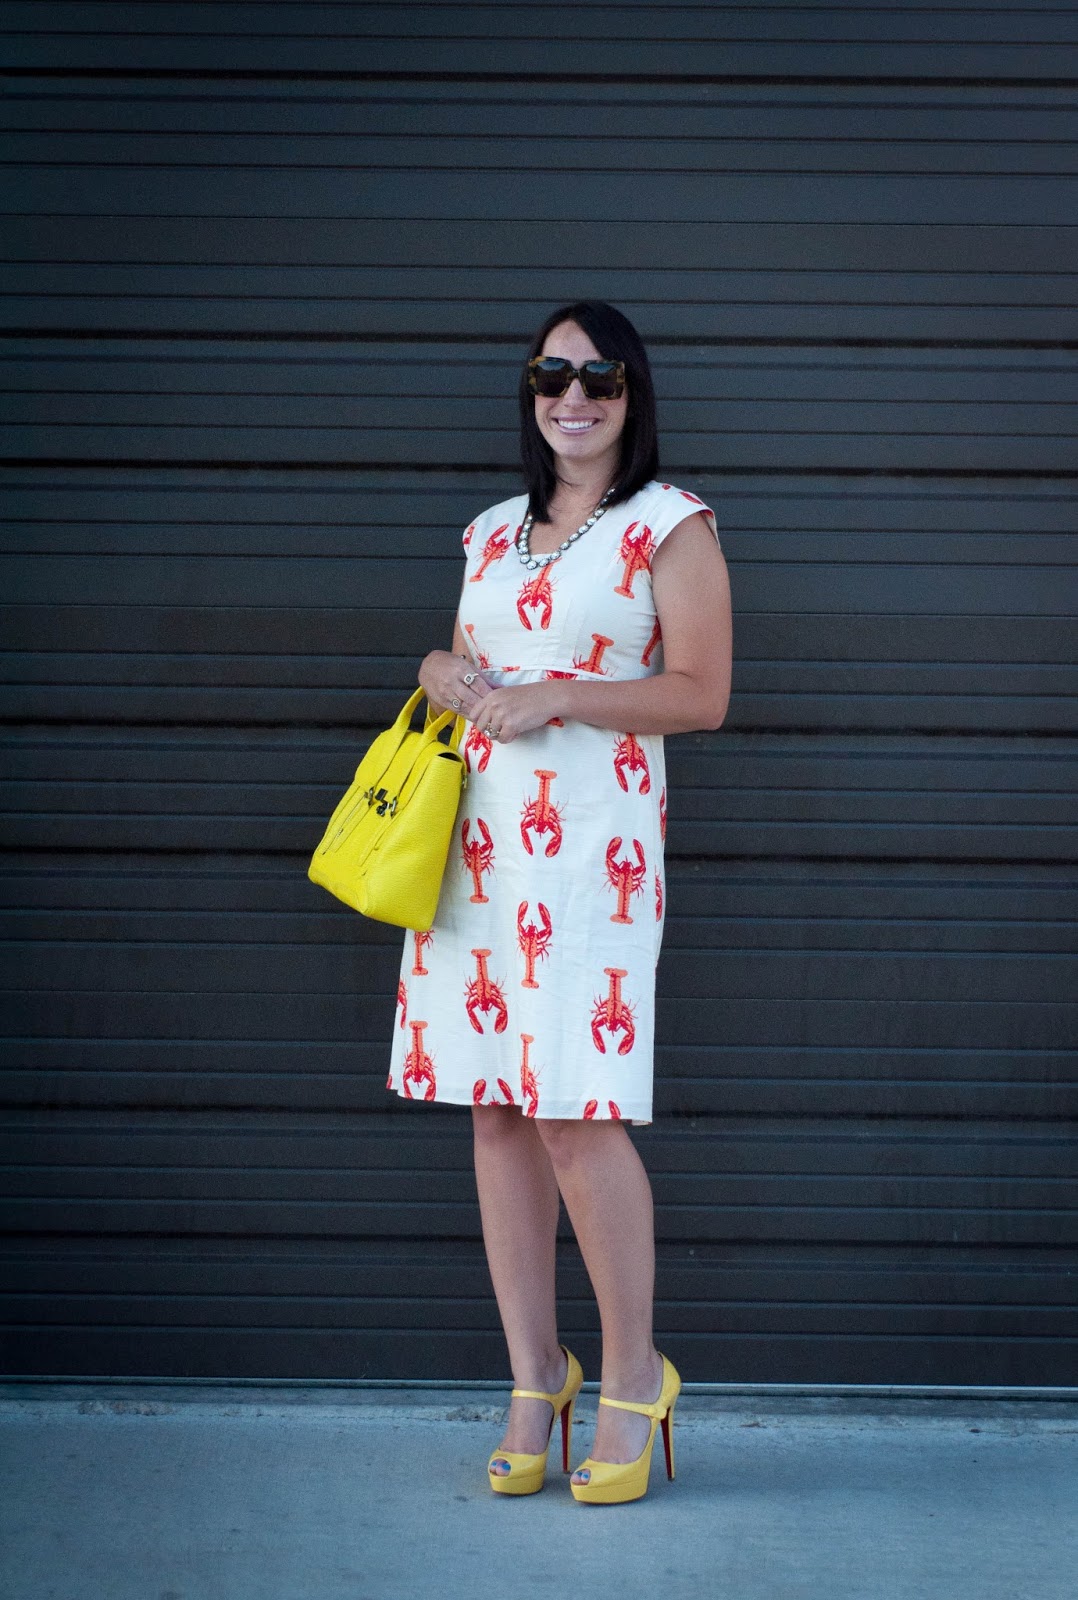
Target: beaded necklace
(523, 539)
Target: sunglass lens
(599, 380)
(551, 376)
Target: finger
(488, 704)
(470, 695)
(462, 697)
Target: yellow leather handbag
(385, 849)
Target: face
(580, 431)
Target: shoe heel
(668, 1441)
(567, 1431)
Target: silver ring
(455, 704)
(469, 677)
(497, 732)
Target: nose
(575, 393)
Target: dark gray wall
(267, 272)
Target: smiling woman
(594, 618)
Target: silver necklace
(523, 540)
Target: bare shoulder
(690, 540)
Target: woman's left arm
(691, 589)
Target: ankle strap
(532, 1394)
(654, 1409)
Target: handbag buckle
(386, 803)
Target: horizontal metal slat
(778, 113)
(1034, 315)
(282, 21)
(401, 1353)
(900, 244)
(566, 50)
(361, 1316)
(542, 148)
(925, 199)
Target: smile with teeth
(577, 426)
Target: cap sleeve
(500, 522)
(671, 506)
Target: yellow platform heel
(526, 1472)
(612, 1482)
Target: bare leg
(608, 1197)
(518, 1202)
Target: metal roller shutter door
(267, 273)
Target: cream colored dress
(536, 985)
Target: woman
(594, 618)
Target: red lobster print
(592, 1107)
(626, 878)
(658, 897)
(529, 1087)
(493, 550)
(614, 1014)
(418, 1066)
(662, 814)
(534, 941)
(466, 541)
(422, 937)
(542, 815)
(636, 552)
(481, 659)
(649, 648)
(479, 1089)
(594, 661)
(629, 757)
(481, 993)
(685, 495)
(538, 591)
(480, 741)
(402, 1001)
(478, 857)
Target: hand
(441, 677)
(517, 708)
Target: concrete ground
(161, 1492)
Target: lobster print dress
(536, 985)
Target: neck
(584, 484)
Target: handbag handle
(435, 727)
(432, 726)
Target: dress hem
(544, 1116)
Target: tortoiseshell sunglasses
(551, 377)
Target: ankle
(546, 1372)
(633, 1379)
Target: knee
(569, 1142)
(498, 1125)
